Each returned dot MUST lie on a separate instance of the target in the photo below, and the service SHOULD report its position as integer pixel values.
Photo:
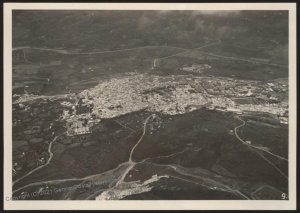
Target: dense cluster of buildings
(77, 116)
(171, 95)
(258, 96)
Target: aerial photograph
(150, 104)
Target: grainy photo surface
(150, 105)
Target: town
(175, 94)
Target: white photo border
(138, 204)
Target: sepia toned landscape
(150, 105)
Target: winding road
(125, 167)
(254, 148)
(139, 141)
(130, 163)
(241, 140)
(188, 50)
(68, 52)
(42, 166)
(243, 59)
